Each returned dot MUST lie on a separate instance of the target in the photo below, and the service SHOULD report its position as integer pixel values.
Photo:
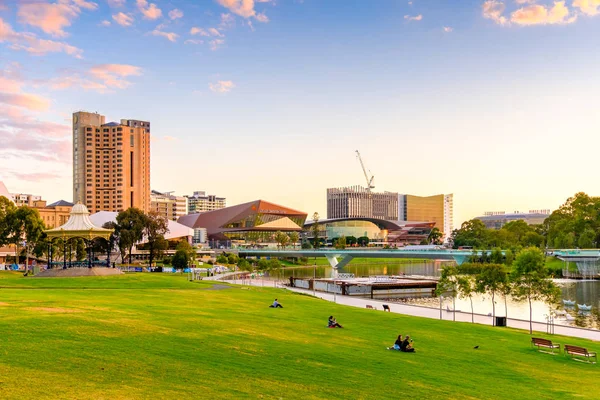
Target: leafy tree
(131, 223)
(282, 239)
(363, 241)
(232, 259)
(435, 236)
(315, 230)
(586, 239)
(244, 265)
(471, 233)
(273, 264)
(25, 227)
(509, 257)
(6, 208)
(531, 280)
(222, 258)
(467, 288)
(113, 240)
(340, 243)
(188, 248)
(80, 249)
(490, 280)
(496, 257)
(449, 283)
(180, 259)
(293, 238)
(155, 227)
(351, 240)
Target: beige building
(21, 199)
(168, 205)
(55, 214)
(202, 202)
(111, 163)
(438, 209)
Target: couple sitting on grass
(332, 323)
(403, 345)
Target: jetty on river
(375, 287)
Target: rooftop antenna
(369, 181)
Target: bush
(222, 259)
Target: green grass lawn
(157, 336)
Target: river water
(583, 292)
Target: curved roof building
(407, 232)
(255, 221)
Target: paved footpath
(415, 310)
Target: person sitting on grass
(333, 323)
(406, 345)
(397, 344)
(276, 304)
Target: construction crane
(369, 181)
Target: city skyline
(492, 101)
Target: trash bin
(500, 321)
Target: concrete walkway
(418, 311)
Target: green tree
(351, 240)
(531, 280)
(282, 239)
(315, 230)
(340, 243)
(6, 208)
(80, 249)
(244, 265)
(449, 283)
(188, 248)
(363, 241)
(155, 228)
(471, 233)
(467, 288)
(180, 259)
(222, 258)
(490, 280)
(293, 238)
(25, 229)
(131, 224)
(232, 259)
(586, 239)
(435, 236)
(497, 257)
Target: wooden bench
(574, 351)
(370, 306)
(386, 308)
(545, 343)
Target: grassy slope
(157, 336)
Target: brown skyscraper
(111, 163)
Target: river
(583, 292)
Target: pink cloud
(588, 7)
(537, 14)
(175, 14)
(18, 121)
(116, 3)
(171, 36)
(36, 176)
(216, 43)
(221, 86)
(112, 75)
(49, 17)
(32, 44)
(122, 19)
(26, 100)
(149, 11)
(243, 8)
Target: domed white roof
(79, 209)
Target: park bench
(545, 343)
(370, 306)
(386, 308)
(574, 351)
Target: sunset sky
(494, 101)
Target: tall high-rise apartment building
(168, 205)
(357, 202)
(111, 163)
(438, 209)
(201, 202)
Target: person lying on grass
(276, 304)
(333, 323)
(397, 344)
(406, 345)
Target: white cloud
(150, 11)
(105, 23)
(448, 29)
(227, 21)
(198, 31)
(214, 32)
(216, 43)
(413, 18)
(221, 86)
(193, 41)
(171, 36)
(493, 9)
(88, 5)
(123, 19)
(537, 14)
(175, 14)
(588, 7)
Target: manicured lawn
(156, 336)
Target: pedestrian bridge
(338, 259)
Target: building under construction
(359, 202)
